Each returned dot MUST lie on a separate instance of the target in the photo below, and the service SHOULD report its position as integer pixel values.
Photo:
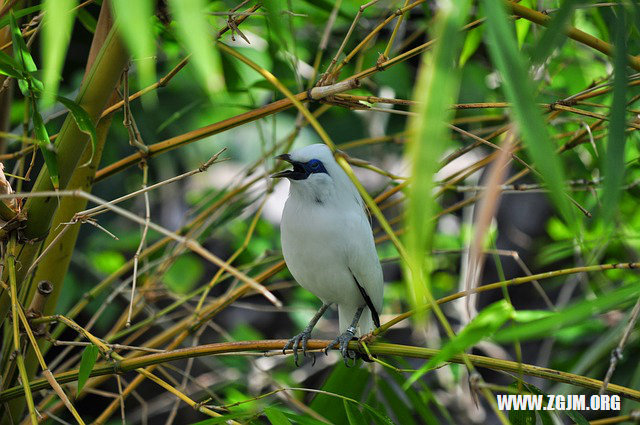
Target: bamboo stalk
(376, 348)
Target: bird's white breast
(315, 243)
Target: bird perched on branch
(328, 246)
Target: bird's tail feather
(346, 314)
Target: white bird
(328, 245)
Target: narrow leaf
(87, 20)
(614, 159)
(134, 20)
(8, 66)
(224, 419)
(504, 52)
(523, 25)
(4, 21)
(544, 415)
(435, 91)
(471, 44)
(276, 417)
(522, 417)
(303, 419)
(569, 316)
(89, 357)
(577, 417)
(354, 416)
(21, 53)
(46, 147)
(555, 32)
(194, 32)
(344, 382)
(524, 316)
(56, 33)
(327, 7)
(277, 22)
(485, 324)
(420, 401)
(397, 405)
(83, 120)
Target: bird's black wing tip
(375, 317)
(367, 299)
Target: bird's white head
(317, 177)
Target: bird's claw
(343, 341)
(294, 343)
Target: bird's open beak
(297, 172)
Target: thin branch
(616, 354)
(189, 243)
(143, 238)
(201, 169)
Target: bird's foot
(343, 345)
(294, 344)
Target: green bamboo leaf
(194, 31)
(276, 417)
(436, 89)
(224, 419)
(377, 414)
(524, 316)
(504, 52)
(327, 6)
(577, 417)
(9, 67)
(342, 381)
(522, 417)
(471, 44)
(614, 159)
(420, 401)
(600, 24)
(303, 420)
(277, 22)
(134, 20)
(373, 402)
(635, 8)
(544, 415)
(4, 21)
(354, 416)
(21, 53)
(485, 324)
(83, 121)
(569, 316)
(89, 357)
(555, 33)
(523, 25)
(87, 20)
(398, 406)
(46, 147)
(56, 33)
(545, 418)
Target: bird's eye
(314, 164)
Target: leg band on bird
(348, 335)
(304, 336)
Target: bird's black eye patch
(301, 170)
